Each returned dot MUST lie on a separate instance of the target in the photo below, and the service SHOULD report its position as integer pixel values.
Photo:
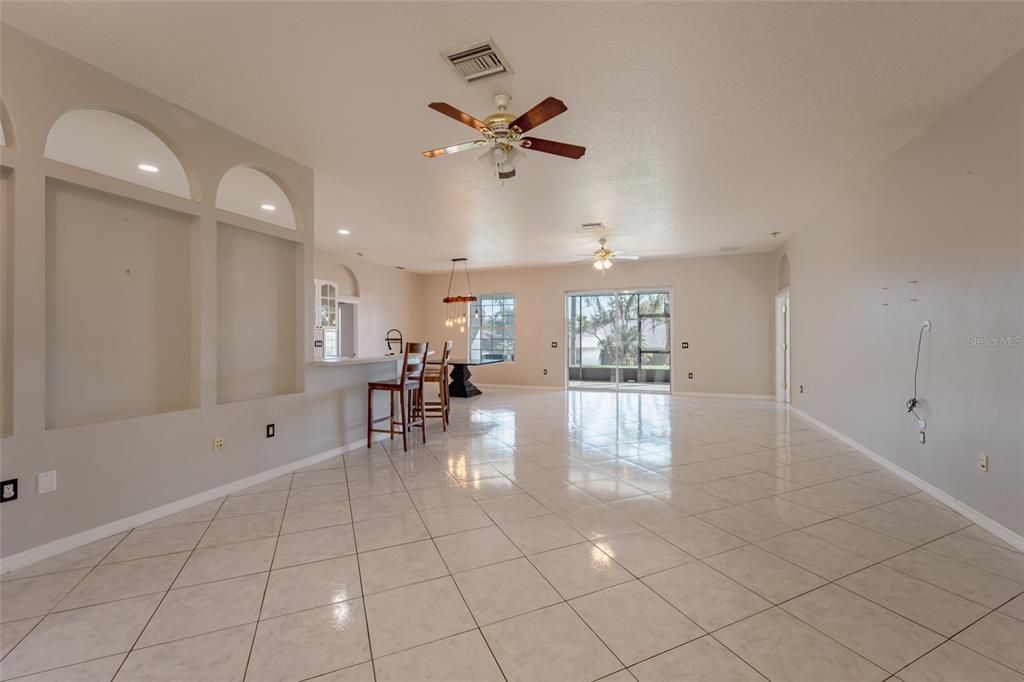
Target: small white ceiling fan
(604, 257)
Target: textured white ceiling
(707, 125)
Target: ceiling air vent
(592, 226)
(478, 61)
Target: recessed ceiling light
(268, 207)
(344, 231)
(148, 167)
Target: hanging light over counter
(455, 312)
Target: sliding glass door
(619, 340)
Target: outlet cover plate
(10, 490)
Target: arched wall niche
(348, 283)
(256, 193)
(782, 277)
(119, 146)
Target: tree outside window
(492, 327)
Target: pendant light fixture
(455, 312)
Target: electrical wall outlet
(801, 388)
(921, 437)
(46, 482)
(270, 430)
(983, 462)
(218, 443)
(685, 345)
(690, 375)
(545, 372)
(554, 344)
(10, 490)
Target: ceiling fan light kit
(503, 134)
(604, 258)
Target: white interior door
(782, 347)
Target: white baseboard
(992, 526)
(740, 396)
(522, 386)
(45, 551)
(685, 394)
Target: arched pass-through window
(348, 284)
(114, 145)
(255, 194)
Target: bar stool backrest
(415, 362)
(446, 357)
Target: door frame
(783, 347)
(354, 302)
(615, 386)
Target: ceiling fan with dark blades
(503, 136)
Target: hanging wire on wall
(455, 311)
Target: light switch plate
(46, 482)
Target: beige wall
(118, 306)
(256, 303)
(721, 305)
(946, 211)
(6, 298)
(110, 470)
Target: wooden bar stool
(409, 388)
(437, 372)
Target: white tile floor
(547, 536)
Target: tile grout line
(614, 457)
(266, 584)
(63, 597)
(829, 582)
(451, 576)
(564, 600)
(167, 591)
(952, 637)
(840, 517)
(359, 564)
(816, 629)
